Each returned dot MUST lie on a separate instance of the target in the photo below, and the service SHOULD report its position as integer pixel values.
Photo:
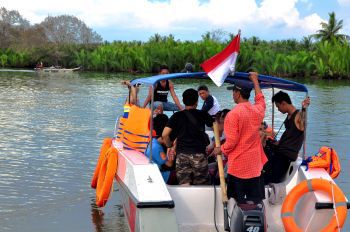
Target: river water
(52, 126)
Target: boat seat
(293, 168)
(304, 174)
(276, 192)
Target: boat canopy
(239, 78)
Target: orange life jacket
(326, 158)
(126, 107)
(120, 130)
(122, 121)
(136, 129)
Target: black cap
(239, 88)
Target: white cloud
(276, 11)
(174, 15)
(311, 23)
(344, 2)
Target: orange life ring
(308, 186)
(106, 175)
(107, 143)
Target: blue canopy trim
(239, 78)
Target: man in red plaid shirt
(243, 147)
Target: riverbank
(285, 58)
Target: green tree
(331, 30)
(306, 42)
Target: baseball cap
(239, 88)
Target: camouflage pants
(192, 168)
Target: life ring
(107, 143)
(106, 175)
(309, 186)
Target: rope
(334, 207)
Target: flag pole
(222, 177)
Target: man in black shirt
(160, 94)
(188, 128)
(283, 152)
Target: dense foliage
(325, 54)
(329, 59)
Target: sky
(129, 20)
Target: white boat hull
(151, 205)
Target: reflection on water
(101, 224)
(52, 126)
(97, 219)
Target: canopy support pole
(273, 111)
(151, 124)
(305, 126)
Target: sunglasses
(237, 87)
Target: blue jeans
(167, 106)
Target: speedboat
(307, 200)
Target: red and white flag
(219, 66)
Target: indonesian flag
(219, 66)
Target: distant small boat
(56, 70)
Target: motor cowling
(248, 218)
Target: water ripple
(52, 126)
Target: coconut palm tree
(331, 30)
(306, 42)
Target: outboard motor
(248, 218)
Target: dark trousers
(243, 190)
(276, 168)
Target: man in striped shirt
(243, 147)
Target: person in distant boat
(160, 94)
(188, 128)
(210, 104)
(40, 65)
(243, 147)
(281, 153)
(164, 160)
(188, 68)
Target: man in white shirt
(210, 104)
